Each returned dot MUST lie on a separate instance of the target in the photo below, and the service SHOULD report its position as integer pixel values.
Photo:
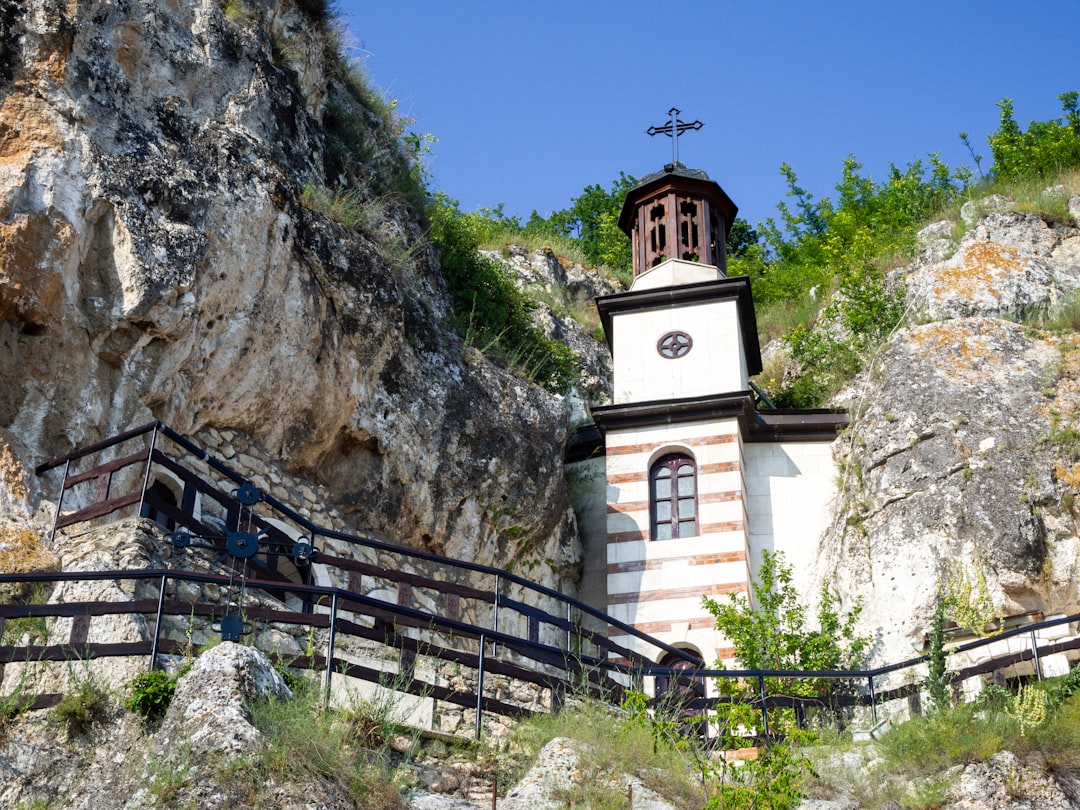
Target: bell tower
(677, 213)
(684, 344)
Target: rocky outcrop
(565, 291)
(1008, 265)
(556, 773)
(117, 763)
(158, 260)
(963, 444)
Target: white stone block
(972, 688)
(1054, 666)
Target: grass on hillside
(612, 742)
(350, 748)
(908, 766)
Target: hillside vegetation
(825, 261)
(818, 267)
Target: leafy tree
(742, 239)
(774, 633)
(1045, 149)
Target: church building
(686, 477)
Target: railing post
(59, 500)
(495, 620)
(764, 706)
(330, 646)
(480, 688)
(873, 700)
(569, 627)
(157, 622)
(1035, 652)
(149, 465)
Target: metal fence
(484, 620)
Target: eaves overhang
(811, 425)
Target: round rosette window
(674, 345)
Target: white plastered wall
(790, 487)
(715, 364)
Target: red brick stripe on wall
(690, 442)
(635, 597)
(627, 478)
(697, 559)
(703, 469)
(719, 497)
(723, 466)
(626, 537)
(630, 506)
(706, 529)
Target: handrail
(104, 444)
(368, 542)
(418, 554)
(439, 622)
(540, 655)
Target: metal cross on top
(673, 130)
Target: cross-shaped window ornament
(674, 345)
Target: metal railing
(484, 617)
(468, 646)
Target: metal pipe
(495, 621)
(157, 623)
(149, 465)
(764, 708)
(1035, 652)
(59, 500)
(873, 700)
(330, 646)
(480, 688)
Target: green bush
(495, 315)
(1047, 148)
(773, 632)
(151, 694)
(83, 704)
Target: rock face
(117, 763)
(963, 444)
(157, 261)
(555, 773)
(565, 291)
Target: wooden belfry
(677, 213)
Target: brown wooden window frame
(674, 465)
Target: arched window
(673, 497)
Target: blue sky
(532, 101)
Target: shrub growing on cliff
(86, 700)
(1045, 149)
(151, 694)
(494, 314)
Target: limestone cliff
(963, 444)
(157, 260)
